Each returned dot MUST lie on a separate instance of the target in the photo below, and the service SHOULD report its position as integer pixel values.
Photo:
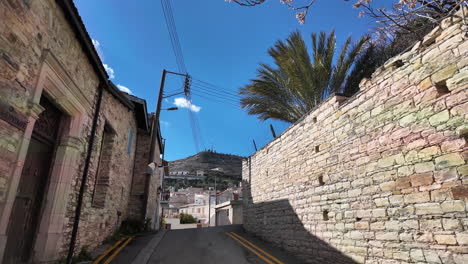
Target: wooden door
(25, 215)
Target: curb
(145, 254)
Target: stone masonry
(381, 177)
(42, 53)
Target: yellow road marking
(251, 249)
(257, 248)
(117, 251)
(107, 251)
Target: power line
(216, 91)
(216, 95)
(174, 37)
(212, 86)
(220, 101)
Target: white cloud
(184, 103)
(96, 43)
(124, 89)
(97, 46)
(109, 71)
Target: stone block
(459, 192)
(402, 183)
(449, 160)
(417, 255)
(396, 199)
(429, 152)
(445, 175)
(453, 206)
(410, 224)
(381, 202)
(380, 212)
(421, 179)
(444, 74)
(377, 225)
(431, 256)
(424, 167)
(462, 238)
(419, 197)
(393, 225)
(460, 258)
(387, 186)
(386, 236)
(440, 195)
(445, 239)
(463, 170)
(362, 225)
(430, 224)
(428, 209)
(439, 118)
(451, 224)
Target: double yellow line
(109, 250)
(254, 249)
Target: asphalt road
(210, 245)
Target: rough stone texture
(28, 31)
(101, 221)
(136, 206)
(393, 163)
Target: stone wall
(35, 35)
(381, 177)
(136, 207)
(29, 32)
(100, 221)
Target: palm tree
(298, 82)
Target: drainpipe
(71, 247)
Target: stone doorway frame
(77, 109)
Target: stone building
(62, 121)
(381, 177)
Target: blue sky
(222, 44)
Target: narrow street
(214, 245)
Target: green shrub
(187, 219)
(162, 223)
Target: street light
(171, 108)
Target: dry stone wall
(381, 177)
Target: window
(102, 181)
(130, 139)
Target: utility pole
(159, 103)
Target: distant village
(207, 187)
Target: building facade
(72, 146)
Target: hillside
(208, 160)
(229, 170)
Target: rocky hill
(208, 160)
(226, 168)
